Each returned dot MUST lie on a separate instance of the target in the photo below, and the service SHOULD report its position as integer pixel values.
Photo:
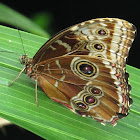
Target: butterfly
(84, 68)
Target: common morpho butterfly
(84, 68)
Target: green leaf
(11, 17)
(43, 19)
(51, 120)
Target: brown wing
(109, 38)
(71, 72)
(90, 86)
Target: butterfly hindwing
(78, 80)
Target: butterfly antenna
(20, 37)
(11, 52)
(21, 41)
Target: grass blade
(11, 17)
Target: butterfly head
(24, 59)
(27, 62)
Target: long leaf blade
(12, 17)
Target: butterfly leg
(36, 92)
(16, 77)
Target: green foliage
(44, 20)
(51, 120)
(11, 17)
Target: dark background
(69, 12)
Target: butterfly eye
(86, 69)
(95, 91)
(90, 100)
(98, 47)
(81, 105)
(101, 32)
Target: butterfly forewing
(87, 39)
(83, 68)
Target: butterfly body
(83, 68)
